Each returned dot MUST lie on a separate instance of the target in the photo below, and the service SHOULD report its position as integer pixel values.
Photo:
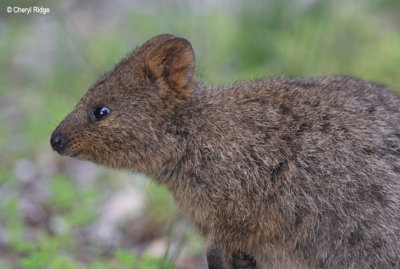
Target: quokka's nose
(58, 142)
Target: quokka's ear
(170, 65)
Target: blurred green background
(60, 213)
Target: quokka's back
(308, 168)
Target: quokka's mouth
(75, 154)
(60, 142)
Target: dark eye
(100, 113)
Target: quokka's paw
(243, 261)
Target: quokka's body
(298, 173)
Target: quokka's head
(122, 121)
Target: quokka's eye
(100, 113)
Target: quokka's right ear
(170, 66)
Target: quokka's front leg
(239, 260)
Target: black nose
(58, 142)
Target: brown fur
(299, 173)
